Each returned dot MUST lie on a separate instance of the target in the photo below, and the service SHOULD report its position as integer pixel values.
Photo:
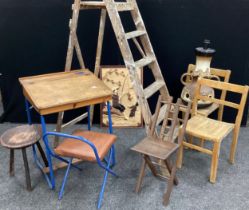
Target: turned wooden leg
(26, 166)
(169, 167)
(180, 156)
(166, 195)
(42, 153)
(141, 176)
(234, 146)
(12, 160)
(214, 163)
(150, 164)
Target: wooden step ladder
(141, 41)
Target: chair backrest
(223, 74)
(174, 120)
(223, 86)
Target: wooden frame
(160, 145)
(224, 76)
(117, 78)
(138, 36)
(215, 130)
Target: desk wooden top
(56, 92)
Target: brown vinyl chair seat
(77, 149)
(158, 149)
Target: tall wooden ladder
(141, 40)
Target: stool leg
(42, 153)
(12, 159)
(26, 166)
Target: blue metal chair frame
(110, 161)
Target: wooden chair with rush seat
(212, 130)
(161, 143)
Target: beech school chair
(160, 143)
(223, 75)
(85, 145)
(212, 130)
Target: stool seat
(78, 149)
(20, 136)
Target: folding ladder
(142, 42)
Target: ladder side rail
(72, 42)
(99, 52)
(128, 58)
(72, 34)
(119, 31)
(145, 40)
(146, 113)
(102, 23)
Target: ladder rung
(158, 164)
(124, 7)
(92, 5)
(153, 88)
(144, 62)
(134, 34)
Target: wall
(34, 36)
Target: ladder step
(134, 34)
(101, 5)
(92, 5)
(144, 62)
(121, 7)
(153, 88)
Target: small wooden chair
(212, 130)
(160, 143)
(224, 75)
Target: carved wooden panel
(124, 106)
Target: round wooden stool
(22, 137)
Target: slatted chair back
(212, 130)
(175, 119)
(223, 74)
(223, 86)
